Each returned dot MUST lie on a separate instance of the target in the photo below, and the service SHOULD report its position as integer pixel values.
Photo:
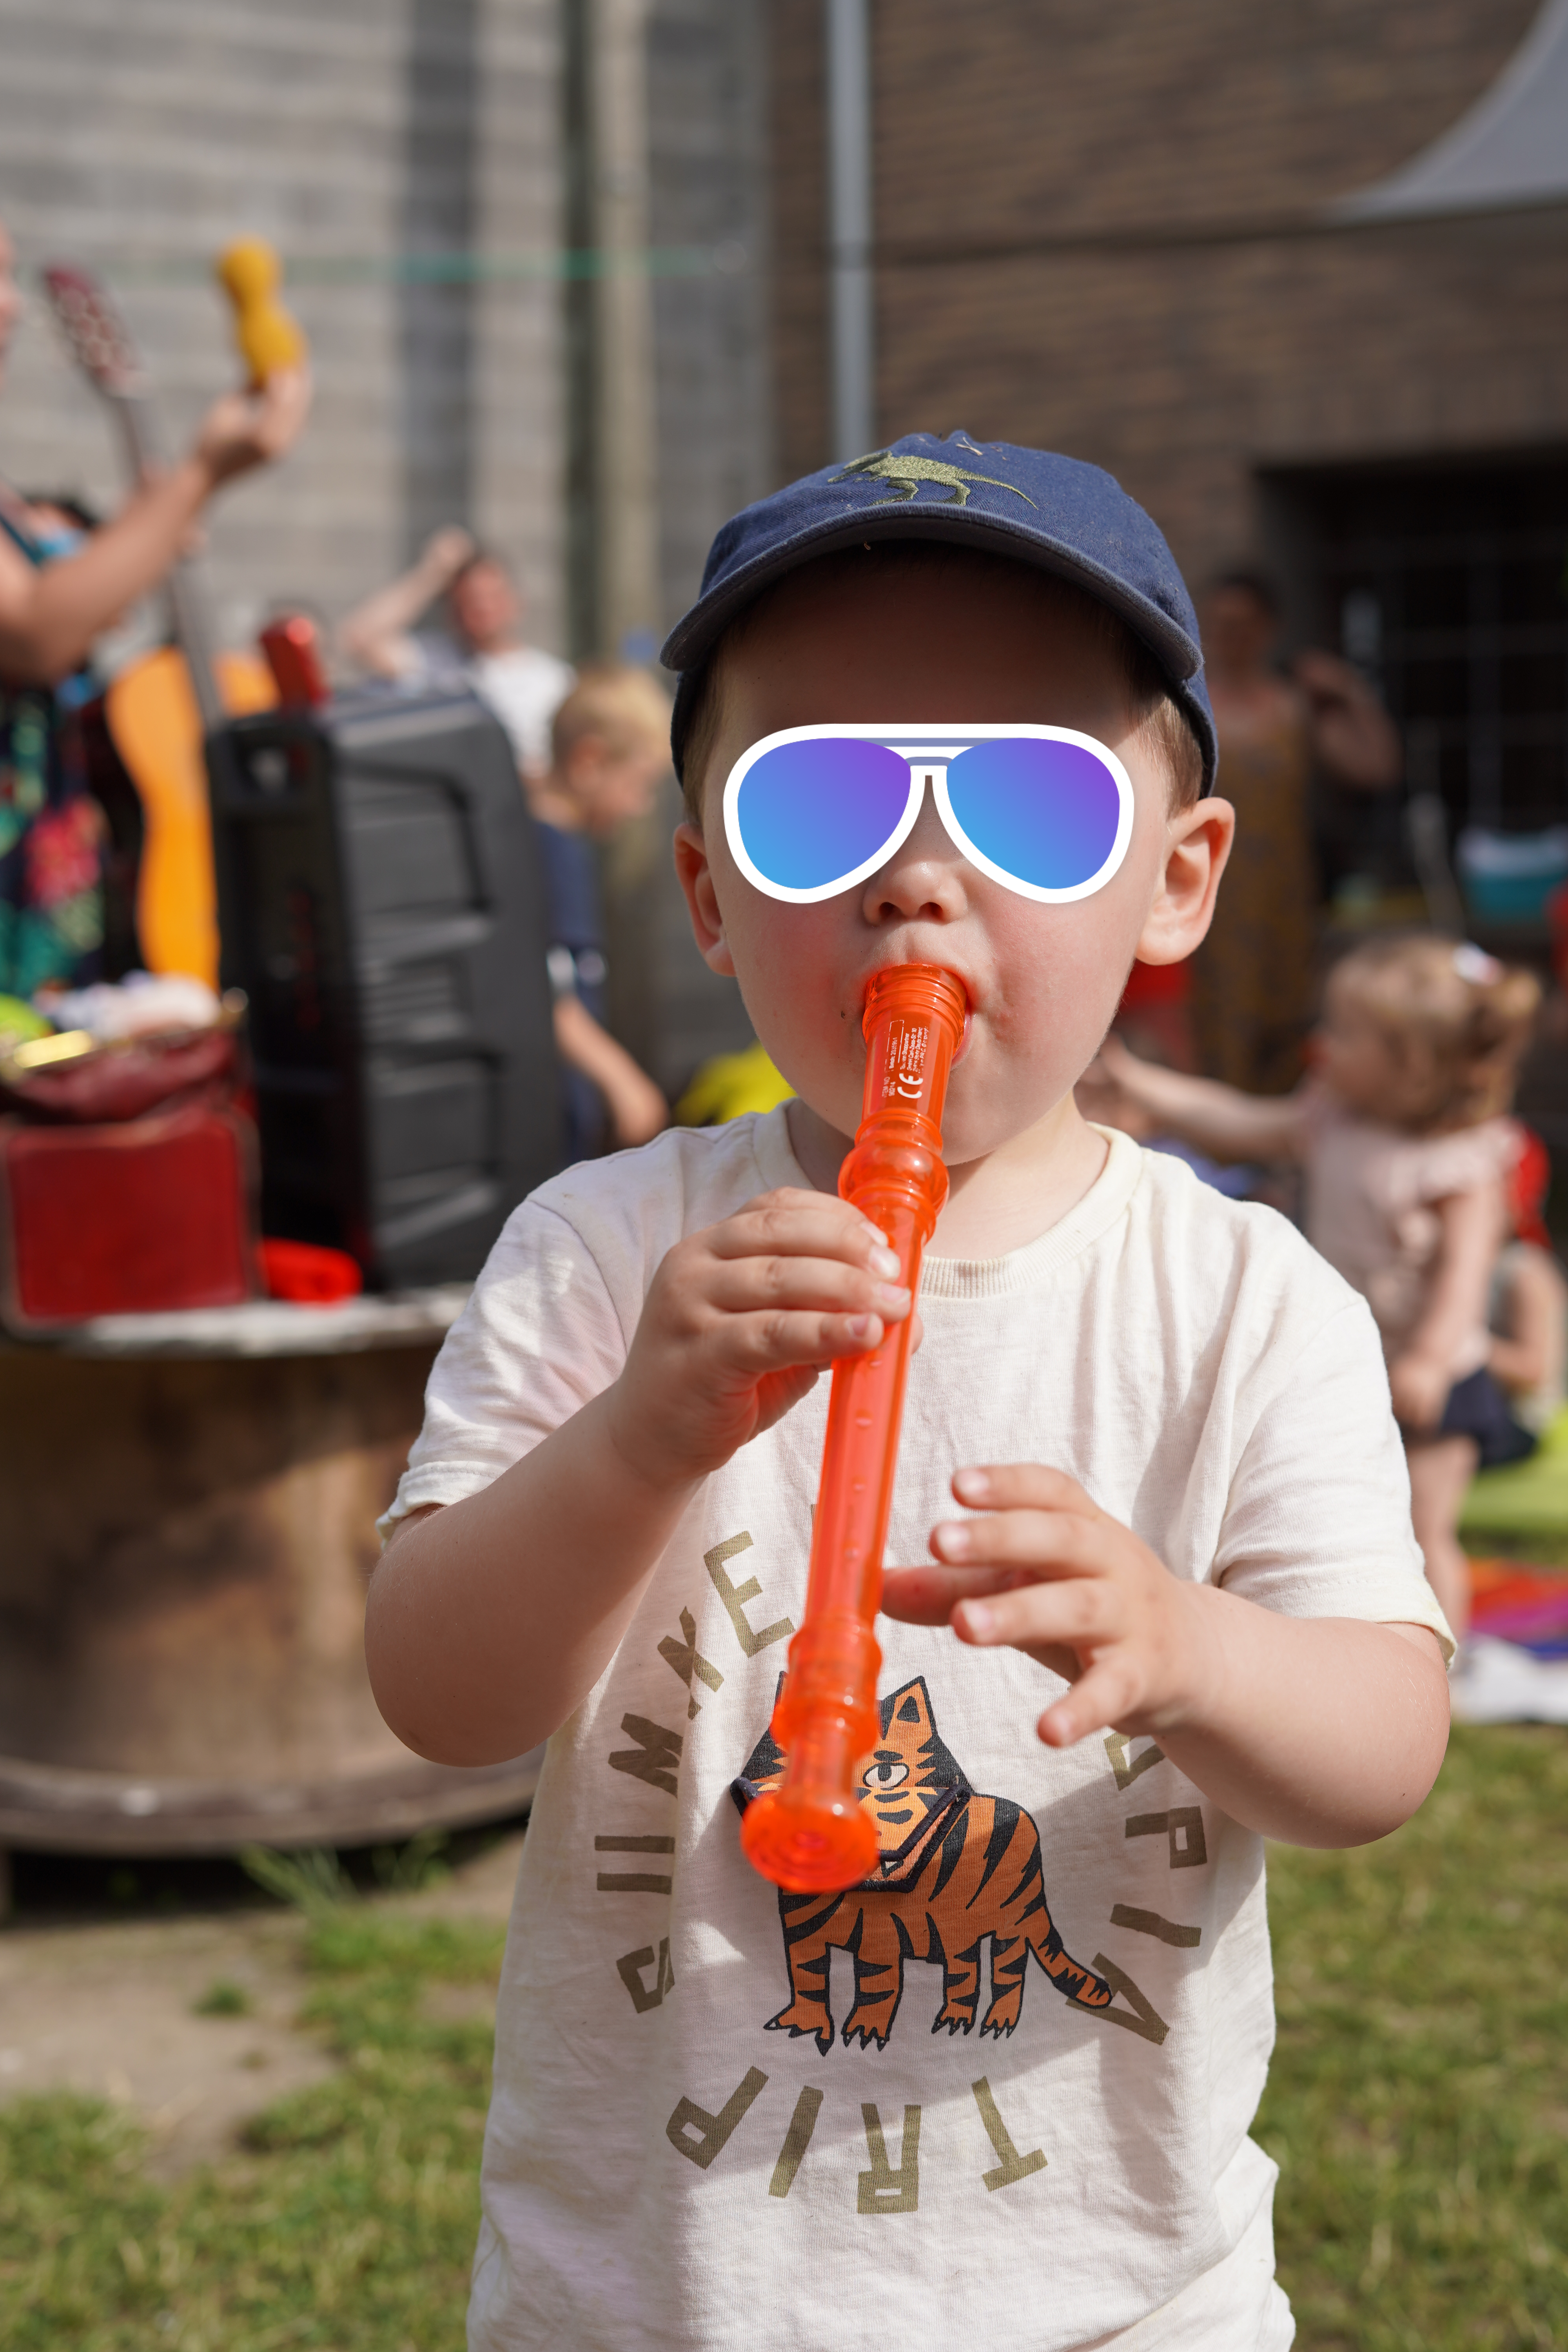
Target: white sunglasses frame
(927, 750)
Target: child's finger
(1012, 1486)
(1052, 1543)
(750, 1346)
(1078, 1614)
(1107, 1693)
(801, 1224)
(927, 1596)
(743, 1285)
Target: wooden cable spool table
(189, 1506)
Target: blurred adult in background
(1253, 979)
(610, 748)
(60, 586)
(486, 647)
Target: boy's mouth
(963, 1046)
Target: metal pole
(849, 227)
(627, 469)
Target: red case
(132, 1219)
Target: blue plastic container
(1508, 877)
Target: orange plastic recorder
(809, 1832)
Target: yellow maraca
(250, 273)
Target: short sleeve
(539, 1338)
(1318, 1518)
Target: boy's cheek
(795, 992)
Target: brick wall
(1164, 345)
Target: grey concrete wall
(139, 136)
(707, 164)
(709, 190)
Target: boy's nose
(925, 880)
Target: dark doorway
(1448, 585)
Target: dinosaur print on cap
(904, 471)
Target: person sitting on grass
(1178, 1608)
(609, 747)
(1407, 1151)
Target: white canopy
(1511, 150)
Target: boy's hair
(614, 700)
(1160, 719)
(1455, 1021)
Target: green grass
(222, 1998)
(1418, 2107)
(348, 2220)
(1418, 2101)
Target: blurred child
(1406, 1155)
(609, 747)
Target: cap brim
(694, 636)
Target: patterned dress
(52, 830)
(1253, 977)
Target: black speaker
(381, 901)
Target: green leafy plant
(222, 1998)
(313, 1881)
(409, 1869)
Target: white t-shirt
(524, 687)
(725, 2121)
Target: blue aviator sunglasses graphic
(812, 811)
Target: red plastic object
(308, 1274)
(1528, 1183)
(292, 648)
(130, 1219)
(1156, 984)
(1557, 927)
(809, 1834)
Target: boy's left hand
(1046, 1571)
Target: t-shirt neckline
(1034, 1263)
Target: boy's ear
(1198, 844)
(695, 878)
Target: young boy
(723, 2118)
(609, 746)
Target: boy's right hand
(737, 1324)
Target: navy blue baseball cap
(1034, 505)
